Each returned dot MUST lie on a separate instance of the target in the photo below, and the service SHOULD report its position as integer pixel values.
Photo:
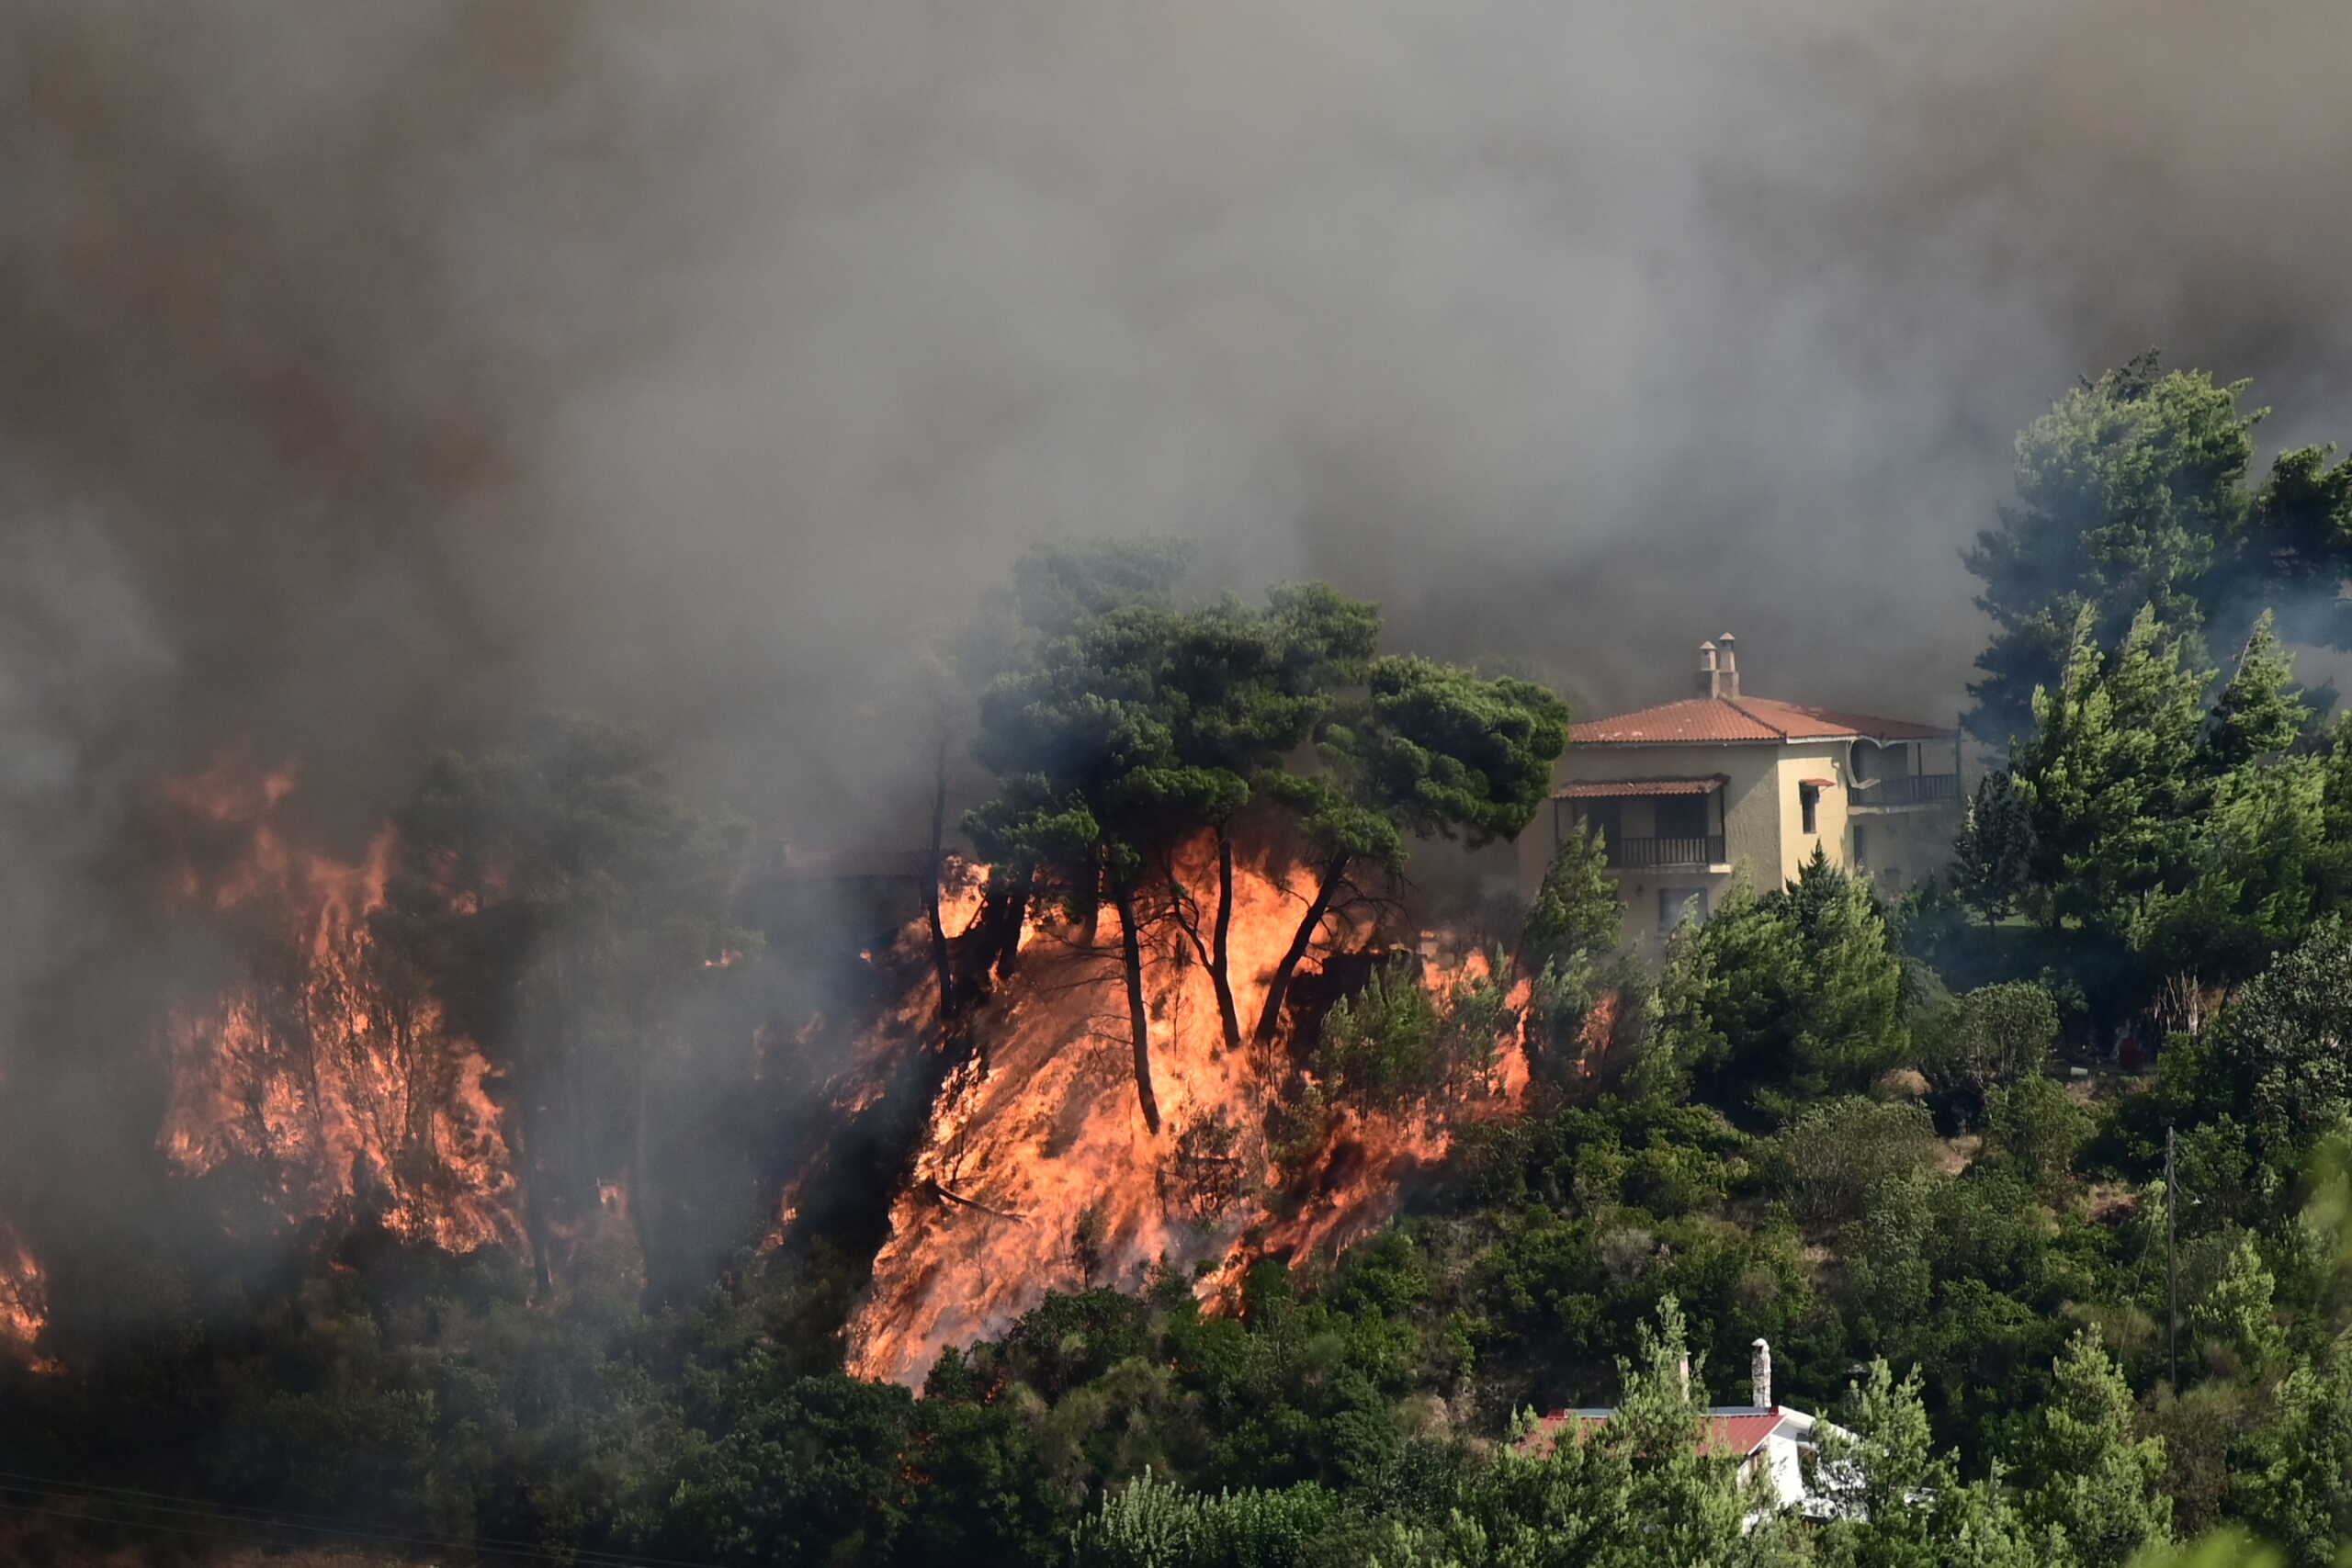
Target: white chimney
(1761, 1374)
(1726, 666)
(1709, 680)
(1682, 1376)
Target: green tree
(2260, 711)
(2111, 774)
(1578, 910)
(2035, 1127)
(1155, 1524)
(1431, 750)
(562, 897)
(1984, 1039)
(1244, 690)
(2239, 1312)
(808, 1471)
(1888, 1496)
(1797, 993)
(1393, 1043)
(2284, 1048)
(2133, 490)
(2100, 1484)
(1992, 855)
(2297, 1487)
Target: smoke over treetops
(371, 374)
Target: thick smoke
(373, 373)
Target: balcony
(1912, 792)
(1656, 855)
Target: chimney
(1761, 1375)
(1709, 680)
(1726, 667)
(1682, 1377)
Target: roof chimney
(1761, 1375)
(1727, 668)
(1709, 680)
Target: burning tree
(1433, 750)
(562, 900)
(1128, 726)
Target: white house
(1772, 1443)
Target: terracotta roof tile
(1736, 720)
(1604, 789)
(1737, 1435)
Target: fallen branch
(936, 1191)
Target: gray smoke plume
(371, 373)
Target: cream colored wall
(1752, 834)
(1762, 819)
(1795, 764)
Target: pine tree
(2111, 775)
(1993, 854)
(1578, 910)
(2131, 492)
(2100, 1484)
(2261, 711)
(1848, 1023)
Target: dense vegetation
(1851, 1129)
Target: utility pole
(2172, 1270)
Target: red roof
(1731, 720)
(1604, 789)
(1737, 1435)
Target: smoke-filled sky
(371, 372)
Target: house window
(1809, 803)
(1676, 905)
(1861, 846)
(1857, 762)
(1681, 815)
(1609, 817)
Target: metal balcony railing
(1644, 854)
(1914, 789)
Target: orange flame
(323, 1077)
(1040, 1173)
(23, 1306)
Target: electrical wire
(47, 1489)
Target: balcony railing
(1914, 789)
(1646, 854)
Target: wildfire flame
(24, 1309)
(1039, 1174)
(317, 1073)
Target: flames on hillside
(313, 1065)
(312, 1071)
(1038, 1173)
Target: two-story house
(1689, 791)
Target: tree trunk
(641, 1173)
(1278, 988)
(1015, 916)
(940, 960)
(530, 1192)
(1221, 948)
(1131, 960)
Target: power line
(49, 1489)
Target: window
(1857, 762)
(1809, 802)
(1681, 815)
(1676, 905)
(1609, 817)
(1861, 846)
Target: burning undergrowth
(1036, 1172)
(319, 1062)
